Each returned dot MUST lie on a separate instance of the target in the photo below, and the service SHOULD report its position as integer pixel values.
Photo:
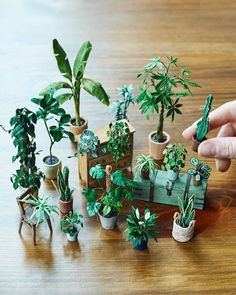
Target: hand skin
(223, 147)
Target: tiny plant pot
(108, 222)
(66, 206)
(173, 174)
(144, 174)
(156, 148)
(72, 238)
(77, 130)
(182, 234)
(140, 246)
(50, 169)
(197, 182)
(195, 143)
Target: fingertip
(222, 165)
(188, 133)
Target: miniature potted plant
(202, 171)
(174, 159)
(145, 165)
(120, 106)
(75, 82)
(88, 143)
(23, 135)
(184, 222)
(160, 93)
(64, 190)
(203, 125)
(71, 225)
(50, 109)
(141, 228)
(118, 139)
(107, 203)
(42, 210)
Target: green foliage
(42, 210)
(174, 156)
(108, 202)
(23, 135)
(203, 125)
(141, 228)
(187, 213)
(118, 139)
(50, 109)
(201, 170)
(145, 163)
(161, 90)
(72, 224)
(120, 106)
(88, 143)
(62, 186)
(76, 80)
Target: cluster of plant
(141, 228)
(62, 186)
(187, 213)
(23, 134)
(161, 90)
(121, 105)
(72, 223)
(174, 157)
(75, 79)
(201, 171)
(118, 139)
(108, 202)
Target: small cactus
(203, 125)
(63, 184)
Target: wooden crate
(87, 161)
(157, 193)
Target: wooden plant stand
(86, 161)
(159, 192)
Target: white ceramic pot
(108, 222)
(173, 175)
(50, 171)
(156, 148)
(182, 234)
(72, 238)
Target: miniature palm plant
(160, 93)
(75, 80)
(141, 228)
(201, 171)
(145, 165)
(118, 139)
(64, 190)
(107, 203)
(71, 225)
(23, 134)
(120, 106)
(174, 159)
(203, 125)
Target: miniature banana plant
(202, 171)
(203, 125)
(62, 186)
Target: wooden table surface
(125, 34)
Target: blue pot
(140, 246)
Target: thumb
(218, 148)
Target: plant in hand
(174, 157)
(72, 223)
(141, 228)
(145, 165)
(23, 134)
(75, 79)
(118, 139)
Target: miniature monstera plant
(203, 125)
(120, 106)
(201, 171)
(161, 90)
(88, 143)
(75, 81)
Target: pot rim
(76, 126)
(52, 165)
(176, 219)
(65, 201)
(159, 143)
(108, 217)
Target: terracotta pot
(108, 222)
(50, 171)
(66, 206)
(156, 148)
(77, 130)
(145, 174)
(173, 174)
(72, 238)
(182, 234)
(197, 182)
(195, 143)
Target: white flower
(140, 222)
(137, 213)
(147, 215)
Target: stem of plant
(51, 140)
(160, 124)
(77, 106)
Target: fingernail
(206, 149)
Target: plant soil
(51, 161)
(154, 138)
(81, 123)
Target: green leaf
(95, 88)
(97, 172)
(63, 97)
(81, 59)
(62, 60)
(55, 86)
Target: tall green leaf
(95, 88)
(54, 86)
(62, 60)
(81, 59)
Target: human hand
(223, 147)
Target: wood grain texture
(125, 34)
